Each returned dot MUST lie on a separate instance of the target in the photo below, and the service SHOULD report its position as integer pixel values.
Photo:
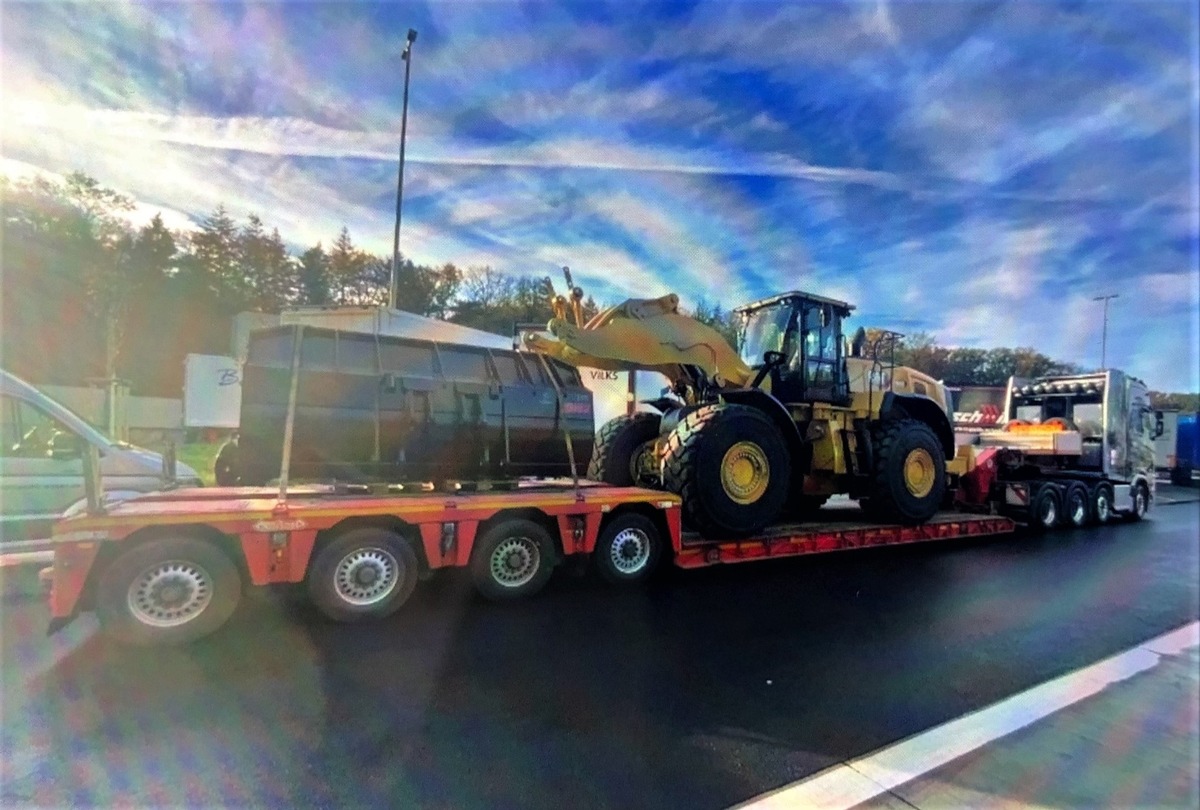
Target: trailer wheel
(1102, 497)
(512, 559)
(1045, 508)
(363, 574)
(1075, 505)
(167, 591)
(623, 454)
(628, 550)
(1141, 501)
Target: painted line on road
(859, 780)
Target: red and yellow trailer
(170, 567)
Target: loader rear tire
(619, 455)
(910, 472)
(730, 466)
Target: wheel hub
(366, 576)
(170, 593)
(643, 465)
(515, 562)
(919, 472)
(1078, 511)
(745, 472)
(630, 551)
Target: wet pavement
(703, 690)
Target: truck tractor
(1072, 450)
(769, 430)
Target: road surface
(702, 691)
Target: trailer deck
(839, 530)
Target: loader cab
(807, 330)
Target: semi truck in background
(1070, 450)
(1176, 450)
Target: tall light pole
(1104, 332)
(395, 280)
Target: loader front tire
(910, 472)
(623, 454)
(730, 466)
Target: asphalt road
(701, 691)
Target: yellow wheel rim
(745, 472)
(919, 472)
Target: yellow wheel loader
(768, 431)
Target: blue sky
(980, 171)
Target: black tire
(1076, 506)
(1181, 475)
(1101, 498)
(621, 442)
(511, 560)
(900, 445)
(698, 456)
(171, 590)
(1141, 501)
(1045, 507)
(628, 550)
(227, 465)
(362, 574)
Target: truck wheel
(1045, 508)
(512, 559)
(623, 454)
(628, 550)
(1075, 505)
(731, 468)
(1102, 498)
(1181, 475)
(910, 472)
(167, 591)
(1141, 501)
(362, 574)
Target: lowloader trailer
(171, 567)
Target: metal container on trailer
(373, 407)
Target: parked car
(42, 449)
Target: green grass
(200, 457)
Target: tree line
(87, 295)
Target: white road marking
(856, 781)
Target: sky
(977, 171)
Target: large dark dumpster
(381, 408)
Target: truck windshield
(764, 331)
